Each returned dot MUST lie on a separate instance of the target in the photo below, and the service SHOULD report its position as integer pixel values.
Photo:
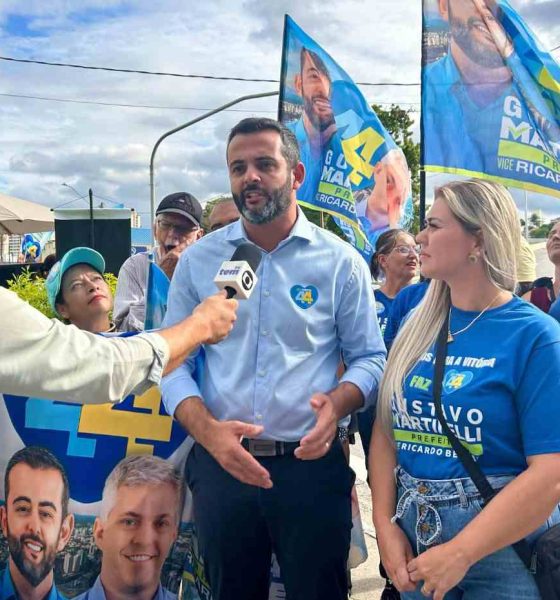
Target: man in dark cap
(177, 225)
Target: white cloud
(108, 148)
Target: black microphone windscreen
(249, 253)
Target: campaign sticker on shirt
(304, 297)
(455, 380)
(380, 308)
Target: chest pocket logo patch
(455, 380)
(304, 297)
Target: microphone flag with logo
(237, 275)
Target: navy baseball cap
(182, 203)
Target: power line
(75, 101)
(151, 106)
(183, 75)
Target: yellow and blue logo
(304, 297)
(455, 380)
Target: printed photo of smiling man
(138, 522)
(36, 523)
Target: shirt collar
(8, 588)
(452, 74)
(7, 583)
(97, 591)
(302, 229)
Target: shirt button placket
(260, 388)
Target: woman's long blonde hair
(484, 209)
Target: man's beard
(484, 55)
(34, 574)
(277, 203)
(318, 121)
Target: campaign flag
(354, 169)
(157, 290)
(490, 96)
(89, 441)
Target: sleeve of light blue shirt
(182, 300)
(362, 346)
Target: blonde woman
(499, 396)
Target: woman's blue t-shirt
(500, 395)
(382, 306)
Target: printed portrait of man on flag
(490, 96)
(354, 170)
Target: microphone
(237, 275)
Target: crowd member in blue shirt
(407, 299)
(36, 523)
(396, 261)
(499, 385)
(267, 469)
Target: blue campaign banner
(490, 96)
(157, 290)
(354, 170)
(89, 441)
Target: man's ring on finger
(425, 591)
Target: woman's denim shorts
(432, 512)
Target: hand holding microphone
(217, 312)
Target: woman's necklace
(450, 334)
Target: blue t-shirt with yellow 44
(499, 395)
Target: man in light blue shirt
(275, 379)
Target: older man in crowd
(177, 225)
(223, 213)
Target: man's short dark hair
(42, 459)
(290, 148)
(316, 60)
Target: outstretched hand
(318, 441)
(224, 444)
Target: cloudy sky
(49, 141)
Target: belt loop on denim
(425, 512)
(463, 499)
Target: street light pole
(73, 189)
(184, 126)
(526, 217)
